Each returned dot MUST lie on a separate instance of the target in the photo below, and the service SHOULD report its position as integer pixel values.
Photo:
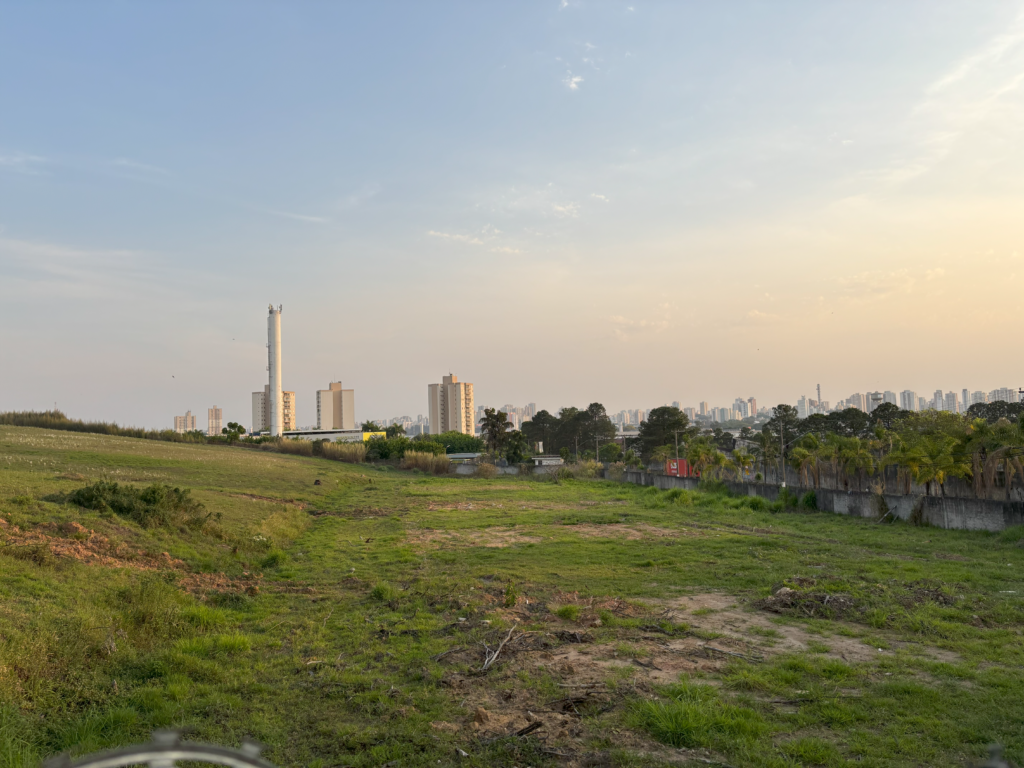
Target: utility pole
(782, 453)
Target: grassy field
(347, 623)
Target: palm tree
(743, 460)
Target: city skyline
(853, 169)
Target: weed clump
(152, 507)
(426, 462)
(694, 717)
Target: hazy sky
(562, 202)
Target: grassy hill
(347, 622)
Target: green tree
(233, 431)
(372, 426)
(542, 428)
(611, 452)
(495, 427)
(660, 429)
(395, 430)
(516, 447)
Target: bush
(756, 503)
(427, 462)
(57, 420)
(353, 453)
(157, 505)
(568, 612)
(486, 470)
(453, 442)
(708, 485)
(809, 501)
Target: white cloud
(563, 210)
(572, 81)
(602, 198)
(21, 162)
(974, 94)
(505, 249)
(468, 239)
(132, 165)
(300, 217)
(47, 270)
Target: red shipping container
(679, 468)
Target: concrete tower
(274, 354)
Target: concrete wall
(943, 512)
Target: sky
(562, 202)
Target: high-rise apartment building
(965, 400)
(939, 400)
(908, 400)
(184, 423)
(858, 401)
(752, 406)
(704, 408)
(214, 419)
(803, 409)
(978, 397)
(741, 407)
(450, 405)
(261, 406)
(951, 403)
(922, 404)
(889, 397)
(335, 407)
(691, 413)
(1006, 394)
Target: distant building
(450, 406)
(691, 413)
(1005, 394)
(908, 400)
(803, 407)
(889, 397)
(939, 400)
(335, 407)
(752, 406)
(922, 404)
(741, 407)
(857, 401)
(185, 423)
(951, 403)
(704, 408)
(978, 397)
(261, 410)
(214, 419)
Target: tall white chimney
(274, 350)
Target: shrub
(756, 503)
(809, 501)
(486, 470)
(427, 462)
(353, 453)
(273, 559)
(157, 505)
(568, 612)
(708, 485)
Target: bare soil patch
(73, 541)
(484, 537)
(629, 532)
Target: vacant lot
(347, 623)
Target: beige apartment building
(335, 407)
(184, 423)
(261, 410)
(214, 420)
(450, 405)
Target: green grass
(341, 651)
